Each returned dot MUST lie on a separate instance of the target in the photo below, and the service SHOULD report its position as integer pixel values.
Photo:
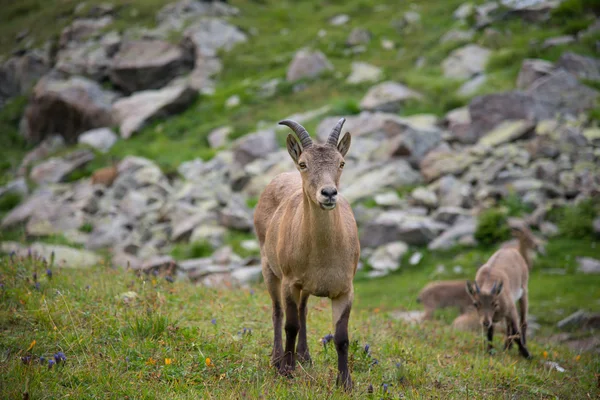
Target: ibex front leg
(274, 287)
(302, 349)
(291, 297)
(341, 314)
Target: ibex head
(320, 165)
(487, 304)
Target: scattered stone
(218, 137)
(56, 169)
(465, 227)
(465, 62)
(17, 186)
(558, 41)
(470, 87)
(507, 131)
(210, 35)
(358, 36)
(247, 275)
(592, 134)
(363, 72)
(101, 139)
(339, 20)
(135, 111)
(388, 199)
(387, 44)
(458, 122)
(19, 74)
(307, 64)
(457, 35)
(233, 101)
(391, 226)
(415, 258)
(254, 146)
(147, 64)
(69, 107)
(425, 197)
(388, 257)
(452, 192)
(410, 317)
(532, 70)
(449, 215)
(575, 320)
(464, 11)
(596, 226)
(580, 66)
(388, 97)
(82, 29)
(441, 162)
(64, 256)
(588, 265)
(548, 229)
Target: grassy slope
(118, 350)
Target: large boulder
(393, 226)
(69, 107)
(253, 146)
(19, 74)
(532, 70)
(580, 66)
(410, 140)
(441, 162)
(91, 59)
(133, 112)
(308, 64)
(83, 28)
(56, 169)
(210, 35)
(388, 97)
(465, 62)
(507, 131)
(147, 64)
(464, 228)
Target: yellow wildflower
(209, 363)
(578, 357)
(545, 354)
(31, 345)
(168, 361)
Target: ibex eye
(302, 165)
(342, 164)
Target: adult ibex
(309, 245)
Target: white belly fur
(517, 295)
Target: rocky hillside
(151, 141)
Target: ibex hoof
(304, 358)
(346, 383)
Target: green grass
(156, 344)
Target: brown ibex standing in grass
(499, 283)
(309, 245)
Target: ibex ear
(293, 147)
(344, 144)
(471, 289)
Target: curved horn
(299, 130)
(335, 133)
(494, 288)
(477, 288)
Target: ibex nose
(486, 324)
(329, 192)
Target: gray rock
(388, 256)
(69, 107)
(548, 229)
(83, 28)
(441, 162)
(218, 137)
(211, 234)
(506, 131)
(205, 69)
(388, 199)
(449, 215)
(208, 36)
(574, 320)
(410, 140)
(135, 111)
(254, 146)
(358, 36)
(39, 200)
(464, 11)
(48, 146)
(465, 62)
(409, 317)
(19, 74)
(452, 192)
(363, 72)
(147, 64)
(17, 186)
(561, 92)
(388, 96)
(232, 101)
(307, 64)
(558, 41)
(247, 275)
(463, 228)
(532, 70)
(56, 169)
(236, 215)
(580, 66)
(588, 265)
(457, 35)
(458, 122)
(472, 86)
(64, 256)
(596, 225)
(364, 124)
(102, 139)
(392, 226)
(425, 197)
(380, 176)
(91, 59)
(340, 19)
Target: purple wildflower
(35, 276)
(169, 278)
(251, 292)
(385, 387)
(60, 356)
(42, 359)
(51, 362)
(29, 252)
(375, 362)
(127, 359)
(2, 286)
(37, 286)
(367, 348)
(155, 272)
(247, 331)
(26, 359)
(326, 339)
(370, 388)
(213, 321)
(87, 287)
(398, 364)
(49, 273)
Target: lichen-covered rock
(465, 62)
(307, 64)
(388, 97)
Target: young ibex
(309, 245)
(499, 283)
(107, 175)
(526, 242)
(442, 294)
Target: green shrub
(346, 107)
(9, 201)
(492, 227)
(192, 250)
(575, 222)
(515, 206)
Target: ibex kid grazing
(499, 283)
(442, 294)
(309, 245)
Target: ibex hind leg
(274, 287)
(302, 348)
